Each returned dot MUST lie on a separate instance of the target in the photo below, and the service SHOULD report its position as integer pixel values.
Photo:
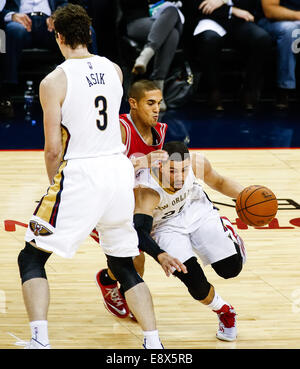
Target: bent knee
(229, 267)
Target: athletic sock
(217, 302)
(105, 278)
(39, 331)
(152, 340)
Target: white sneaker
(227, 323)
(32, 344)
(149, 347)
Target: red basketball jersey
(135, 143)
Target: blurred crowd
(261, 31)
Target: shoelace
(19, 341)
(228, 319)
(115, 296)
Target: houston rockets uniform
(186, 223)
(94, 183)
(135, 143)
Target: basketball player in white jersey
(91, 180)
(172, 207)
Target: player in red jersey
(143, 137)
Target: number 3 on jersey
(102, 122)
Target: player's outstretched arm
(146, 201)
(204, 171)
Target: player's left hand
(169, 264)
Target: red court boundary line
(197, 148)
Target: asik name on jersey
(95, 79)
(284, 205)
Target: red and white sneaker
(228, 227)
(227, 323)
(112, 299)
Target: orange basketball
(256, 205)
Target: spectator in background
(5, 106)
(160, 35)
(28, 24)
(282, 21)
(104, 14)
(213, 24)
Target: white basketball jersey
(173, 204)
(90, 111)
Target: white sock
(217, 302)
(152, 340)
(39, 331)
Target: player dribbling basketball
(186, 225)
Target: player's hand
(153, 159)
(209, 6)
(169, 264)
(243, 14)
(156, 157)
(22, 19)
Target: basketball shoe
(33, 344)
(112, 299)
(228, 227)
(147, 346)
(227, 330)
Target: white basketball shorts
(87, 193)
(211, 238)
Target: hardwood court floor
(266, 295)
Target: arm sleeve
(143, 225)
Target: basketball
(256, 205)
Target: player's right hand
(156, 157)
(170, 264)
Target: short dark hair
(73, 23)
(138, 88)
(177, 150)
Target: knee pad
(229, 267)
(31, 263)
(195, 279)
(123, 269)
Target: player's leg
(113, 294)
(119, 242)
(216, 243)
(179, 245)
(56, 226)
(36, 294)
(138, 297)
(201, 290)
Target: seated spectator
(5, 106)
(223, 23)
(282, 19)
(160, 35)
(27, 24)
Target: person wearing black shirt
(231, 23)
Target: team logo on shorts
(39, 229)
